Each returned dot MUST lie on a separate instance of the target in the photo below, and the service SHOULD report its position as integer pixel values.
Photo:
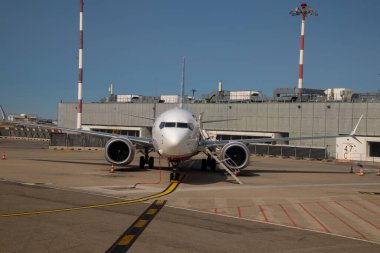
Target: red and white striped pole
(304, 10)
(80, 73)
(302, 46)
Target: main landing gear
(146, 159)
(208, 163)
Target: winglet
(353, 132)
(3, 115)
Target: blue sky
(138, 45)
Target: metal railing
(301, 152)
(77, 140)
(22, 132)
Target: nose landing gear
(174, 175)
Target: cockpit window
(169, 124)
(182, 125)
(176, 124)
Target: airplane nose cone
(175, 144)
(174, 140)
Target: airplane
(178, 135)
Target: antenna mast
(182, 95)
(80, 67)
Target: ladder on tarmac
(223, 166)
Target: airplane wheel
(212, 164)
(142, 162)
(151, 162)
(204, 164)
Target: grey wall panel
(297, 119)
(345, 117)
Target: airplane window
(162, 125)
(181, 125)
(191, 127)
(169, 124)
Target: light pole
(302, 10)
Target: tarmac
(284, 205)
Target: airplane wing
(136, 140)
(211, 143)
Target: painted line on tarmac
(366, 208)
(315, 218)
(288, 215)
(272, 186)
(371, 193)
(357, 215)
(262, 211)
(125, 241)
(275, 224)
(343, 221)
(171, 188)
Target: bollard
(112, 170)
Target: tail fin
(353, 132)
(3, 115)
(182, 95)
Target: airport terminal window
(374, 149)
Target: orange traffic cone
(378, 172)
(112, 170)
(361, 172)
(4, 157)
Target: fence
(21, 132)
(79, 140)
(317, 153)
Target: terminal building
(251, 119)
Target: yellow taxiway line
(171, 188)
(126, 240)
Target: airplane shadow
(300, 171)
(192, 168)
(195, 176)
(63, 161)
(123, 168)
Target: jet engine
(119, 151)
(235, 155)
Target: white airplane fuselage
(175, 134)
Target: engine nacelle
(235, 155)
(119, 151)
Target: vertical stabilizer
(182, 94)
(3, 115)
